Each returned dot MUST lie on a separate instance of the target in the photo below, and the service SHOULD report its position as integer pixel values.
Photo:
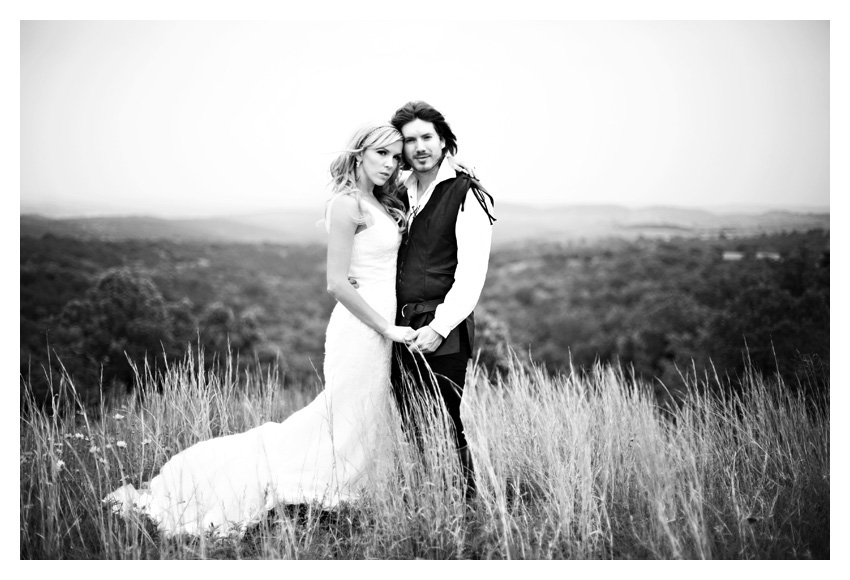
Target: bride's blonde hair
(344, 170)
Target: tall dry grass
(566, 467)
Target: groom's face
(423, 146)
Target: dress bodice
(375, 247)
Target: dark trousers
(412, 383)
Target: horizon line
(725, 208)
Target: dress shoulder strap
(363, 221)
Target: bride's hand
(458, 165)
(403, 334)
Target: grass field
(566, 467)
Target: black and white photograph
(382, 285)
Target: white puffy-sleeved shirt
(474, 235)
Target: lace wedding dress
(325, 452)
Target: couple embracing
(406, 262)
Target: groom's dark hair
(422, 110)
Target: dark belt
(408, 311)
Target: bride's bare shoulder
(345, 208)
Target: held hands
(426, 340)
(403, 334)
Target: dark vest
(427, 259)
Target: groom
(442, 264)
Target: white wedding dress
(326, 452)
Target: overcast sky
(179, 119)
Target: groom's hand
(427, 340)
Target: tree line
(664, 308)
(657, 307)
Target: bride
(328, 451)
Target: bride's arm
(343, 225)
(459, 165)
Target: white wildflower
(93, 449)
(146, 441)
(121, 444)
(108, 446)
(78, 435)
(59, 465)
(119, 416)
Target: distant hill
(518, 223)
(515, 223)
(296, 227)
